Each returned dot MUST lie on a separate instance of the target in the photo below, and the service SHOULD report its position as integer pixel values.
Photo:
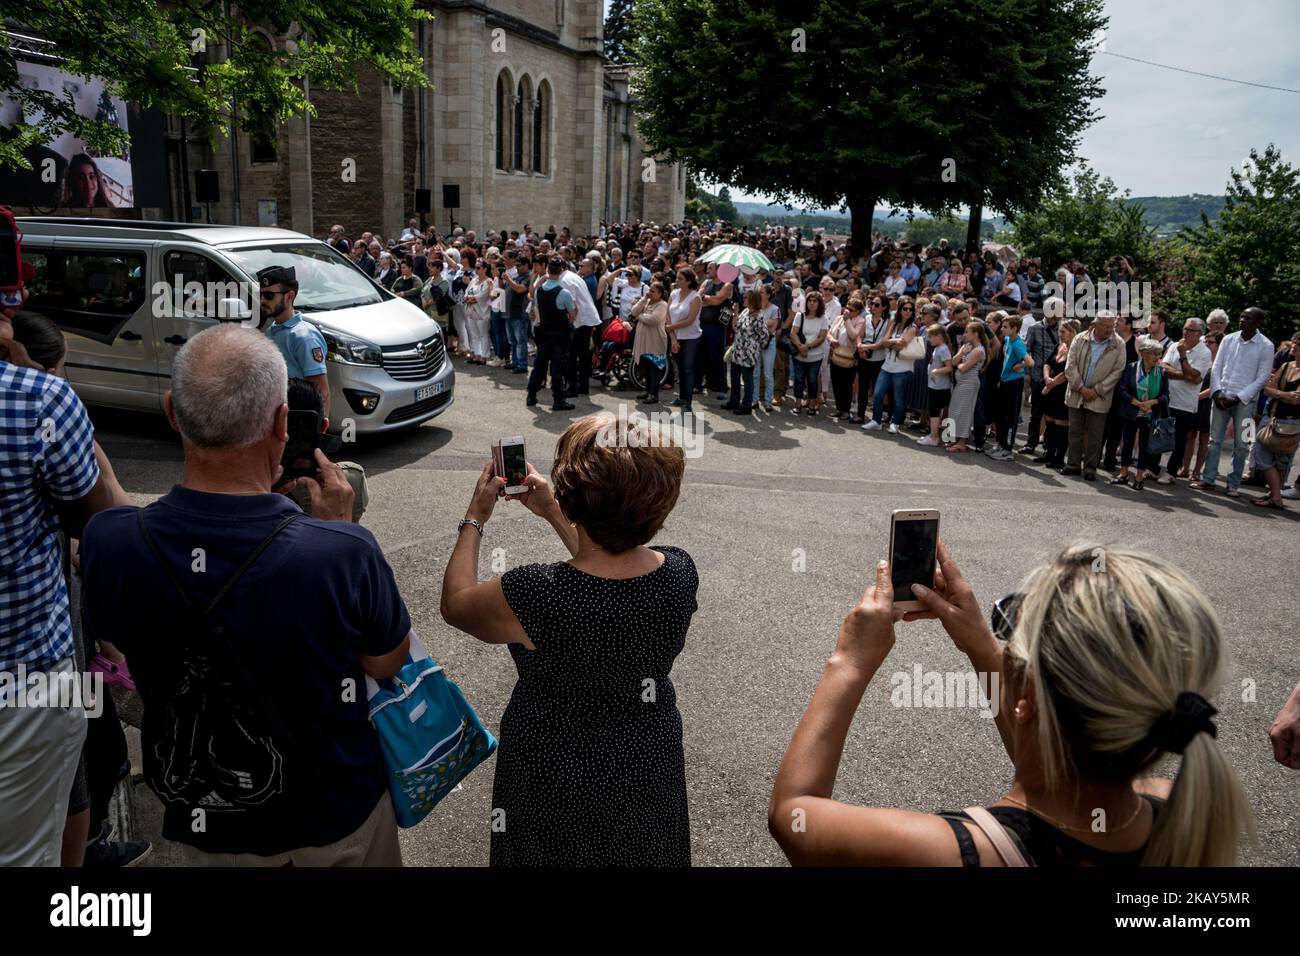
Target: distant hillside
(1166, 214)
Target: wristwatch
(474, 521)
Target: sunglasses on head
(1002, 619)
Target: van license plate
(437, 388)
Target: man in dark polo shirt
(255, 736)
(556, 313)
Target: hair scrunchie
(1174, 730)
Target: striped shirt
(47, 453)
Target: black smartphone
(913, 550)
(299, 458)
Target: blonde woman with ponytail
(1105, 660)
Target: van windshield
(326, 280)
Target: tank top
(1043, 844)
(1285, 411)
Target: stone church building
(523, 116)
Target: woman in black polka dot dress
(590, 768)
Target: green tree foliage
(928, 231)
(617, 25)
(838, 103)
(158, 55)
(704, 206)
(1086, 219)
(1248, 258)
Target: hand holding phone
(299, 457)
(508, 462)
(913, 551)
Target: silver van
(128, 294)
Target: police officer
(300, 342)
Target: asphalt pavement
(784, 517)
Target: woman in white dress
(478, 313)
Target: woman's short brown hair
(617, 478)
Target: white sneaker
(893, 429)
(1290, 491)
(1165, 478)
(1001, 454)
(871, 426)
(927, 440)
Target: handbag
(787, 342)
(843, 357)
(1160, 439)
(1278, 437)
(913, 351)
(429, 734)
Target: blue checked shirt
(46, 452)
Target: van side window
(199, 284)
(95, 292)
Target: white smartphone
(510, 464)
(913, 551)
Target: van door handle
(175, 340)
(130, 336)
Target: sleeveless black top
(1042, 843)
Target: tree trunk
(973, 227)
(861, 210)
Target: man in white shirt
(1243, 365)
(588, 319)
(1187, 363)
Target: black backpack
(211, 738)
(441, 301)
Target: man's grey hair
(1217, 314)
(227, 384)
(1195, 325)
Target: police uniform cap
(274, 275)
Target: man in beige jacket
(1092, 370)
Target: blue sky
(1166, 133)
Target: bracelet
(470, 521)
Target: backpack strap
(225, 589)
(1002, 841)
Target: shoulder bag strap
(257, 552)
(1283, 371)
(998, 836)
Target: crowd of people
(973, 353)
(248, 717)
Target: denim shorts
(1261, 458)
